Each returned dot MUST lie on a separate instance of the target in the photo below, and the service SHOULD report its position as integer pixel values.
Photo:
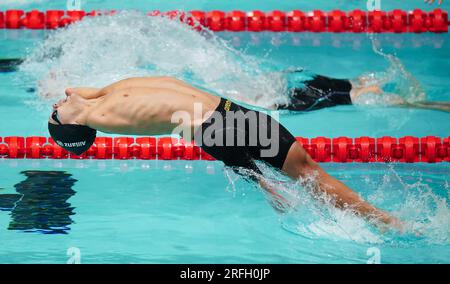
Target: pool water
(137, 212)
(199, 212)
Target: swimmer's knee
(306, 165)
(299, 162)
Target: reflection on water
(41, 203)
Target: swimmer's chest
(142, 106)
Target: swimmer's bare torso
(143, 106)
(146, 106)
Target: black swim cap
(72, 137)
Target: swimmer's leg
(440, 106)
(299, 164)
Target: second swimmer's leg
(441, 106)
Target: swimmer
(322, 92)
(315, 93)
(146, 106)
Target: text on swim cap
(72, 144)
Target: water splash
(132, 44)
(425, 213)
(310, 214)
(399, 85)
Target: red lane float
(215, 20)
(2, 20)
(418, 21)
(397, 21)
(256, 21)
(34, 20)
(433, 149)
(357, 21)
(408, 149)
(197, 19)
(445, 151)
(235, 21)
(377, 22)
(438, 22)
(316, 21)
(276, 21)
(53, 19)
(13, 19)
(71, 17)
(296, 21)
(365, 150)
(336, 21)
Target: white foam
(313, 215)
(98, 51)
(426, 215)
(407, 87)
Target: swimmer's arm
(299, 164)
(137, 82)
(277, 201)
(346, 198)
(85, 92)
(144, 82)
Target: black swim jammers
(238, 136)
(319, 92)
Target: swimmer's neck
(84, 108)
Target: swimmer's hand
(276, 200)
(280, 204)
(432, 1)
(389, 223)
(399, 227)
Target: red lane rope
(357, 21)
(408, 149)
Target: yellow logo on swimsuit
(227, 105)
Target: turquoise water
(198, 212)
(137, 212)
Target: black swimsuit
(319, 92)
(245, 136)
(240, 134)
